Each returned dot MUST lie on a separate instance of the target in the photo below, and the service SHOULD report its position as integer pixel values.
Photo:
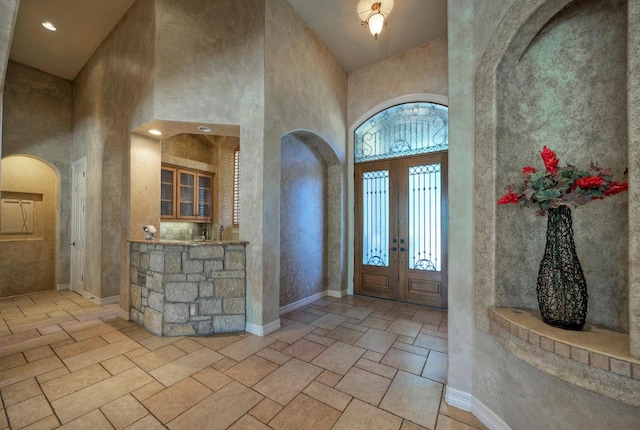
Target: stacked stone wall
(181, 290)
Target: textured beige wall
(550, 98)
(145, 190)
(470, 27)
(305, 89)
(478, 365)
(210, 68)
(37, 122)
(633, 101)
(28, 262)
(201, 148)
(112, 95)
(416, 71)
(8, 13)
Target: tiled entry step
(610, 369)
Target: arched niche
(547, 79)
(311, 246)
(555, 73)
(28, 261)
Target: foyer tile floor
(351, 363)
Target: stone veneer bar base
(180, 289)
(596, 359)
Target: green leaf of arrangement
(544, 195)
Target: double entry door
(401, 229)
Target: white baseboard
(101, 301)
(263, 330)
(337, 294)
(465, 401)
(63, 287)
(459, 399)
(302, 302)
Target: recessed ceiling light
(49, 26)
(155, 132)
(204, 129)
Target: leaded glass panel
(424, 217)
(375, 218)
(402, 130)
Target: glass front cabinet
(185, 194)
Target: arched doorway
(311, 247)
(400, 204)
(28, 226)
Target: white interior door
(78, 220)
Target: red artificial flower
(589, 182)
(550, 160)
(527, 170)
(508, 198)
(616, 187)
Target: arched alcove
(310, 219)
(559, 93)
(555, 73)
(29, 249)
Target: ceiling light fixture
(155, 132)
(376, 20)
(49, 26)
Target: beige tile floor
(350, 363)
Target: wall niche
(567, 91)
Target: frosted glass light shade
(376, 22)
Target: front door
(401, 229)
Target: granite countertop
(189, 242)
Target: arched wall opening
(29, 226)
(311, 263)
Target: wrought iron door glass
(375, 218)
(424, 217)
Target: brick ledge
(597, 347)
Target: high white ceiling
(337, 23)
(83, 25)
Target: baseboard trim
(122, 314)
(63, 287)
(263, 330)
(465, 401)
(459, 399)
(337, 294)
(101, 301)
(302, 302)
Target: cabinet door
(168, 192)
(205, 183)
(186, 194)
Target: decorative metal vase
(562, 289)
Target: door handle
(73, 243)
(394, 249)
(402, 249)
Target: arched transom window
(402, 130)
